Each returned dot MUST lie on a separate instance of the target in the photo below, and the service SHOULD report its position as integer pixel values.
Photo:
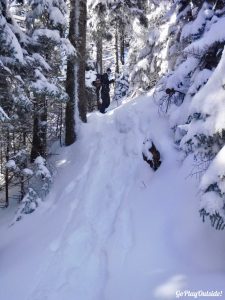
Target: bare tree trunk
(6, 188)
(61, 125)
(7, 171)
(24, 138)
(14, 142)
(22, 184)
(39, 140)
(99, 55)
(116, 50)
(70, 134)
(43, 129)
(1, 159)
(57, 124)
(81, 47)
(122, 47)
(35, 138)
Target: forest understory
(112, 149)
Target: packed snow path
(112, 229)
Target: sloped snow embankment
(111, 228)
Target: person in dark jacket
(97, 84)
(105, 82)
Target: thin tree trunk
(24, 139)
(14, 143)
(43, 129)
(81, 47)
(61, 125)
(39, 140)
(22, 184)
(57, 125)
(116, 50)
(35, 138)
(122, 47)
(6, 187)
(1, 160)
(99, 55)
(6, 171)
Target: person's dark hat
(108, 70)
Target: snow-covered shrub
(34, 179)
(43, 177)
(17, 167)
(37, 190)
(28, 205)
(148, 54)
(186, 49)
(205, 137)
(121, 86)
(212, 188)
(198, 120)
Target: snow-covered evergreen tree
(46, 23)
(32, 61)
(41, 180)
(14, 99)
(181, 52)
(148, 56)
(121, 86)
(192, 93)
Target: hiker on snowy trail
(105, 90)
(102, 82)
(97, 84)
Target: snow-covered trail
(111, 228)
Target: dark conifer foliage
(32, 56)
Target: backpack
(98, 82)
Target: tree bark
(1, 158)
(99, 55)
(116, 50)
(70, 134)
(7, 171)
(39, 140)
(81, 47)
(61, 125)
(75, 82)
(122, 47)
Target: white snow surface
(111, 228)
(197, 25)
(212, 201)
(11, 164)
(10, 40)
(215, 172)
(208, 101)
(3, 115)
(214, 34)
(57, 17)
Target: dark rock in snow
(151, 155)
